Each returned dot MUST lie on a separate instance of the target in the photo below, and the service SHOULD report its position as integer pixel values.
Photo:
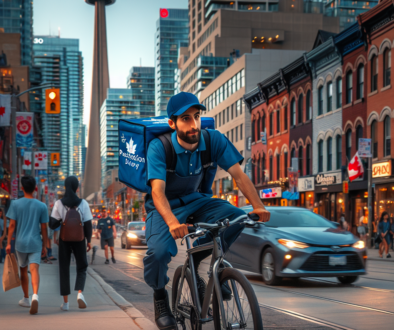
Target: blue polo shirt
(223, 152)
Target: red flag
(355, 168)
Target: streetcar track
(351, 285)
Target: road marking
(311, 279)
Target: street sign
(263, 137)
(249, 143)
(364, 148)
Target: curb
(139, 319)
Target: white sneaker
(34, 304)
(24, 302)
(65, 306)
(81, 301)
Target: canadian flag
(355, 168)
(27, 160)
(5, 109)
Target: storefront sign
(275, 192)
(380, 170)
(306, 184)
(364, 148)
(328, 179)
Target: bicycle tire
(175, 285)
(237, 276)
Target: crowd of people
(27, 230)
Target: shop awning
(4, 193)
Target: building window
(329, 154)
(263, 123)
(339, 92)
(386, 67)
(285, 118)
(263, 167)
(220, 119)
(236, 134)
(329, 97)
(278, 166)
(271, 167)
(359, 134)
(254, 172)
(228, 114)
(360, 81)
(349, 145)
(374, 73)
(278, 121)
(258, 170)
(241, 132)
(374, 137)
(300, 108)
(232, 135)
(292, 154)
(292, 113)
(308, 159)
(253, 131)
(300, 162)
(339, 152)
(224, 116)
(349, 87)
(320, 155)
(308, 105)
(387, 136)
(285, 162)
(271, 123)
(320, 101)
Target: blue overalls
(188, 205)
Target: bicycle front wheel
(242, 311)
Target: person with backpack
(29, 217)
(181, 167)
(75, 234)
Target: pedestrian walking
(392, 233)
(362, 229)
(29, 217)
(3, 234)
(107, 230)
(71, 205)
(384, 228)
(343, 223)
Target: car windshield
(297, 218)
(136, 226)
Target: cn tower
(100, 84)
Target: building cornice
(349, 40)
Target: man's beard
(191, 139)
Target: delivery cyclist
(185, 195)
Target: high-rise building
(141, 81)
(61, 62)
(347, 11)
(171, 34)
(16, 16)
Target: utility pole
(370, 210)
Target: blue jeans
(161, 245)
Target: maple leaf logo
(2, 111)
(131, 146)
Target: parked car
(298, 243)
(133, 235)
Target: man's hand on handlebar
(178, 231)
(263, 214)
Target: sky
(131, 26)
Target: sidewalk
(373, 254)
(106, 309)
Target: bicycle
(242, 311)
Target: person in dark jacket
(71, 200)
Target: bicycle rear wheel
(187, 301)
(248, 303)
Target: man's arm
(44, 233)
(163, 207)
(114, 230)
(4, 227)
(247, 188)
(11, 230)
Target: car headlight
(359, 245)
(290, 244)
(131, 235)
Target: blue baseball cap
(181, 102)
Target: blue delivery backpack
(134, 138)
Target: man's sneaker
(388, 256)
(65, 306)
(81, 301)
(164, 318)
(24, 302)
(201, 287)
(34, 304)
(113, 260)
(106, 262)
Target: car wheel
(347, 279)
(268, 268)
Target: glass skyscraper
(172, 29)
(60, 61)
(16, 16)
(141, 81)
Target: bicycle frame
(213, 282)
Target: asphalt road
(313, 303)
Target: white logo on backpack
(131, 146)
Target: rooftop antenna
(58, 29)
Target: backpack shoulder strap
(206, 159)
(169, 150)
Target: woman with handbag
(76, 227)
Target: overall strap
(169, 150)
(206, 159)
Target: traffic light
(55, 159)
(52, 101)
